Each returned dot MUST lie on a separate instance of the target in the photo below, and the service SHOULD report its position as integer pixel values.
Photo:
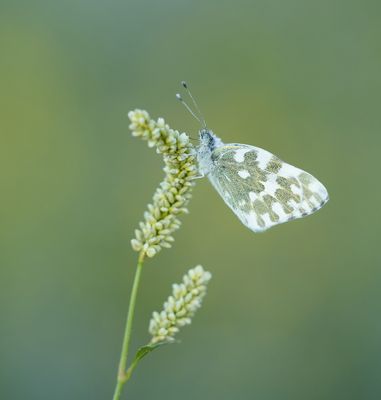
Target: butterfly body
(209, 142)
(261, 189)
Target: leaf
(144, 350)
(141, 353)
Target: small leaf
(141, 353)
(144, 350)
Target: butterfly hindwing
(262, 190)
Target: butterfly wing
(262, 190)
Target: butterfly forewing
(262, 190)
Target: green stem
(122, 376)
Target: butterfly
(261, 189)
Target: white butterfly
(262, 190)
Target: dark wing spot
(274, 165)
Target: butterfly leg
(198, 176)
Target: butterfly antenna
(181, 100)
(201, 117)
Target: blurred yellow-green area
(293, 313)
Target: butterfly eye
(204, 134)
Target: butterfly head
(208, 140)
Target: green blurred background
(291, 314)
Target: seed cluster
(172, 196)
(180, 307)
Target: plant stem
(122, 376)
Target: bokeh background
(291, 314)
